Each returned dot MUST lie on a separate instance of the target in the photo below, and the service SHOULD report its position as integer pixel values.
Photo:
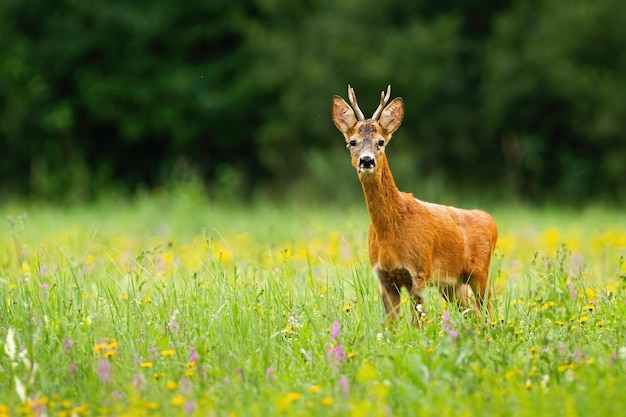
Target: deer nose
(366, 162)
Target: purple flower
(104, 370)
(269, 373)
(139, 381)
(334, 330)
(193, 355)
(73, 367)
(67, 342)
(190, 406)
(173, 326)
(117, 395)
(572, 291)
(445, 316)
(344, 385)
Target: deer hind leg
(460, 294)
(418, 282)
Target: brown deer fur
(411, 242)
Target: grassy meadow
(174, 305)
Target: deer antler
(355, 106)
(383, 100)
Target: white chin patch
(366, 170)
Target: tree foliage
(528, 96)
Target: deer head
(366, 138)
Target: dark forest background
(523, 99)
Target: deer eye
(381, 143)
(352, 143)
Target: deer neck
(382, 198)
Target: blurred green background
(504, 100)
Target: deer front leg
(390, 293)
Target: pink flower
(344, 385)
(104, 370)
(193, 355)
(334, 330)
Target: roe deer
(411, 242)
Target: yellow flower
(589, 307)
(169, 352)
(293, 396)
(178, 401)
(168, 258)
(315, 389)
(347, 308)
(110, 354)
(171, 385)
(189, 372)
(583, 319)
(25, 268)
(563, 368)
(89, 259)
(146, 364)
(327, 401)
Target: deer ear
(391, 117)
(343, 115)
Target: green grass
(173, 305)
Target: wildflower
(269, 373)
(90, 259)
(327, 401)
(193, 355)
(139, 381)
(110, 353)
(294, 396)
(104, 370)
(572, 292)
(171, 385)
(167, 352)
(336, 353)
(315, 389)
(190, 407)
(146, 364)
(344, 385)
(334, 330)
(168, 258)
(9, 346)
(178, 401)
(25, 269)
(67, 342)
(563, 368)
(347, 308)
(589, 307)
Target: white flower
(9, 346)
